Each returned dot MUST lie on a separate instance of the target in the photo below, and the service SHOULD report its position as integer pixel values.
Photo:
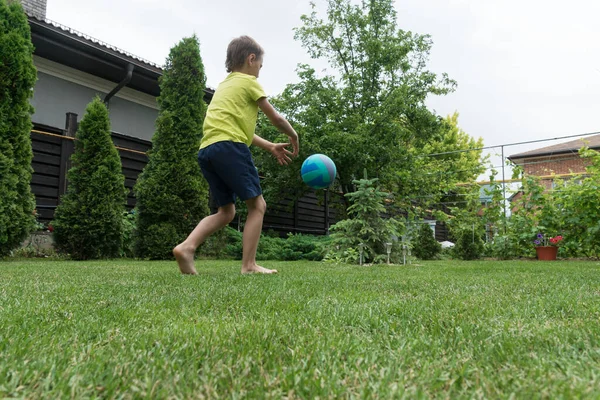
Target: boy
(225, 158)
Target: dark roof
(77, 50)
(593, 142)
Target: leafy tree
(172, 195)
(17, 78)
(426, 247)
(456, 150)
(446, 162)
(370, 112)
(88, 222)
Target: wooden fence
(52, 149)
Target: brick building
(557, 161)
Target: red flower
(50, 228)
(556, 240)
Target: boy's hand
(282, 154)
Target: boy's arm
(278, 150)
(280, 123)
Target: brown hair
(239, 49)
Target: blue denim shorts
(230, 171)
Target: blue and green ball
(318, 171)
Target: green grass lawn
(137, 329)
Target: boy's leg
(256, 212)
(184, 252)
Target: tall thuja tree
(369, 109)
(88, 222)
(17, 77)
(172, 195)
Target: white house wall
(61, 89)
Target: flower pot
(546, 253)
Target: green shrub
(128, 231)
(17, 78)
(502, 247)
(349, 256)
(172, 195)
(155, 240)
(365, 224)
(426, 247)
(304, 247)
(467, 228)
(467, 246)
(225, 243)
(270, 248)
(88, 222)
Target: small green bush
(365, 224)
(426, 247)
(503, 247)
(304, 247)
(270, 248)
(227, 243)
(222, 244)
(467, 246)
(128, 232)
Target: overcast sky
(526, 69)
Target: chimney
(35, 8)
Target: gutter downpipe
(120, 86)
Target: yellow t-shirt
(232, 112)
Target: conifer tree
(17, 78)
(88, 223)
(172, 195)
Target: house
(561, 161)
(73, 68)
(557, 161)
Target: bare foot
(185, 259)
(257, 269)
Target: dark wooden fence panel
(46, 171)
(310, 214)
(52, 148)
(133, 160)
